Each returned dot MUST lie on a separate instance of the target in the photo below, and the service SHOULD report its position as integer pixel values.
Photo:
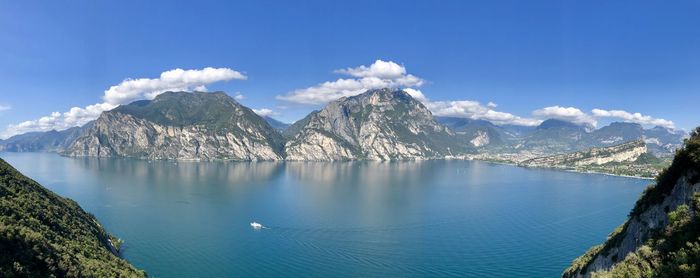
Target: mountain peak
(557, 123)
(382, 124)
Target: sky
(510, 62)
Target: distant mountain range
(380, 124)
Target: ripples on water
(430, 218)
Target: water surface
(430, 218)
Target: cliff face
(179, 125)
(625, 152)
(45, 235)
(650, 242)
(377, 125)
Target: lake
(429, 218)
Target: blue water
(431, 218)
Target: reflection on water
(414, 218)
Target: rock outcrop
(625, 152)
(376, 125)
(662, 234)
(183, 126)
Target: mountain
(626, 152)
(663, 141)
(617, 133)
(181, 125)
(45, 235)
(380, 124)
(553, 136)
(475, 132)
(49, 141)
(661, 237)
(277, 125)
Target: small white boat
(256, 225)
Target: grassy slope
(45, 235)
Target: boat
(256, 225)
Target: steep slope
(49, 141)
(277, 125)
(44, 235)
(181, 125)
(625, 152)
(661, 238)
(377, 125)
(663, 141)
(478, 133)
(616, 133)
(553, 136)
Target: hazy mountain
(555, 136)
(277, 125)
(661, 237)
(617, 133)
(378, 124)
(181, 125)
(49, 141)
(45, 235)
(478, 133)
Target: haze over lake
(463, 218)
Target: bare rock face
(625, 152)
(376, 125)
(183, 126)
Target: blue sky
(523, 56)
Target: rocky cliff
(376, 125)
(661, 238)
(181, 125)
(625, 152)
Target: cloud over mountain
(381, 74)
(633, 117)
(570, 114)
(125, 92)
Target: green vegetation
(45, 235)
(686, 158)
(671, 251)
(674, 252)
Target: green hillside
(45, 235)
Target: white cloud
(5, 107)
(632, 117)
(571, 114)
(380, 69)
(265, 112)
(172, 80)
(470, 109)
(127, 91)
(238, 96)
(417, 94)
(475, 110)
(381, 74)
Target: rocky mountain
(380, 124)
(49, 141)
(555, 136)
(45, 235)
(661, 237)
(477, 133)
(626, 152)
(276, 124)
(181, 125)
(616, 133)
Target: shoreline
(446, 158)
